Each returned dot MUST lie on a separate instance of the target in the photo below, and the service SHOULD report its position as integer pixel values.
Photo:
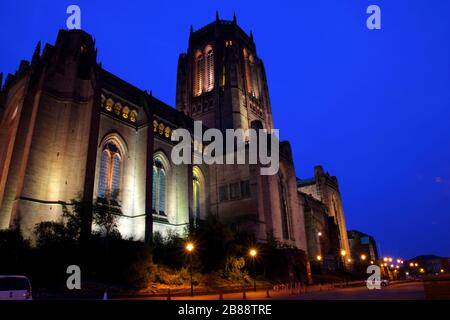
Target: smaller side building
(322, 199)
(322, 235)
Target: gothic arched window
(198, 74)
(203, 75)
(199, 195)
(251, 74)
(159, 188)
(110, 171)
(196, 191)
(285, 225)
(209, 70)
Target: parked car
(15, 288)
(383, 282)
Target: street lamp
(253, 254)
(319, 258)
(343, 252)
(319, 234)
(411, 264)
(190, 248)
(363, 257)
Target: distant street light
(319, 258)
(319, 234)
(343, 252)
(442, 270)
(363, 257)
(190, 248)
(371, 262)
(390, 259)
(411, 264)
(385, 259)
(253, 254)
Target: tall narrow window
(254, 77)
(209, 70)
(103, 178)
(198, 74)
(155, 177)
(248, 72)
(159, 188)
(110, 171)
(284, 211)
(196, 191)
(203, 71)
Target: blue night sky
(373, 107)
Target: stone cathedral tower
(221, 80)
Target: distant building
(322, 234)
(430, 264)
(324, 188)
(362, 244)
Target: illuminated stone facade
(71, 129)
(324, 189)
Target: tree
(106, 213)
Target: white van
(15, 288)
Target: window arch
(110, 171)
(198, 70)
(251, 74)
(203, 75)
(198, 193)
(159, 186)
(209, 83)
(285, 218)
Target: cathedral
(70, 129)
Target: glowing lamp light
(190, 247)
(349, 260)
(442, 270)
(390, 259)
(253, 253)
(363, 257)
(343, 252)
(411, 264)
(319, 258)
(371, 262)
(319, 234)
(385, 259)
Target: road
(398, 291)
(401, 291)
